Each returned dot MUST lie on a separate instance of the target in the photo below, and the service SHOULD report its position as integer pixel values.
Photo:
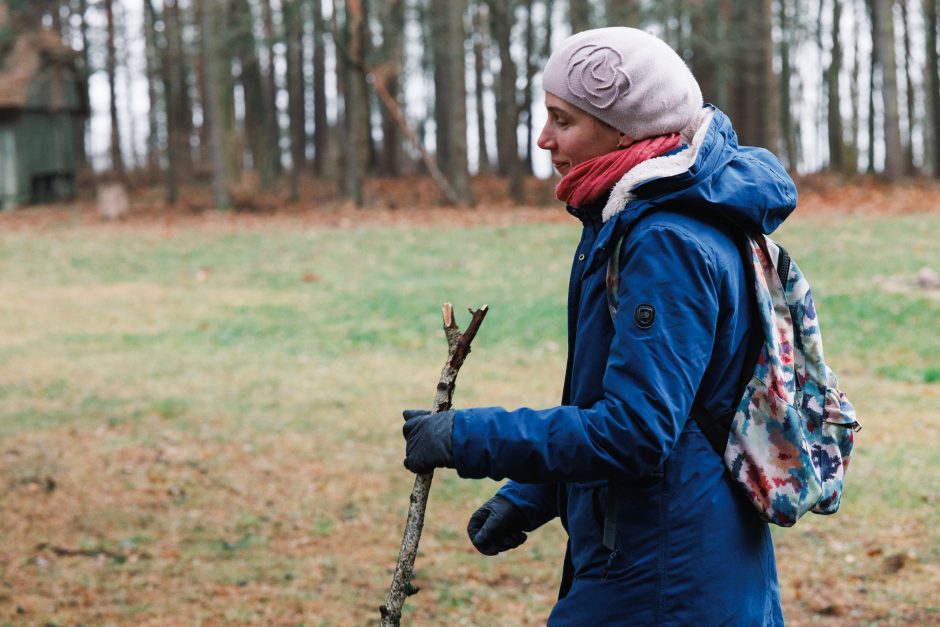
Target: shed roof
(31, 53)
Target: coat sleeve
(538, 501)
(651, 376)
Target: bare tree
(170, 102)
(787, 126)
(481, 46)
(579, 13)
(211, 109)
(623, 13)
(754, 77)
(393, 55)
(909, 91)
(295, 88)
(356, 101)
(269, 81)
(507, 116)
(117, 162)
(257, 130)
(321, 131)
(872, 86)
(450, 94)
(932, 85)
(530, 69)
(852, 159)
(833, 93)
(152, 52)
(884, 44)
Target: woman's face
(574, 136)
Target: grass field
(200, 425)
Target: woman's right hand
(499, 525)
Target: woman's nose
(545, 140)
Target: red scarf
(589, 181)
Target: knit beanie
(628, 78)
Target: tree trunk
(204, 155)
(450, 109)
(153, 77)
(579, 13)
(623, 13)
(167, 72)
(481, 46)
(833, 94)
(884, 36)
(86, 73)
(269, 83)
(117, 162)
(441, 51)
(872, 71)
(365, 36)
(507, 116)
(125, 38)
(530, 70)
(356, 105)
(821, 112)
(340, 37)
(321, 129)
(932, 85)
(706, 47)
(787, 128)
(853, 156)
(211, 110)
(291, 9)
(257, 131)
(233, 145)
(393, 28)
(755, 80)
(184, 107)
(909, 168)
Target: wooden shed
(43, 108)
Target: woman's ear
(625, 141)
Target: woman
(658, 532)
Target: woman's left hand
(429, 440)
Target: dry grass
(192, 438)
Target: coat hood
(713, 173)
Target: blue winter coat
(690, 549)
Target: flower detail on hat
(596, 74)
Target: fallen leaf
(894, 563)
(831, 610)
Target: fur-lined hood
(712, 172)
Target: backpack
(788, 442)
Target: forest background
(261, 93)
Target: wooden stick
(458, 347)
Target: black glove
(497, 526)
(430, 440)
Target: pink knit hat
(626, 77)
